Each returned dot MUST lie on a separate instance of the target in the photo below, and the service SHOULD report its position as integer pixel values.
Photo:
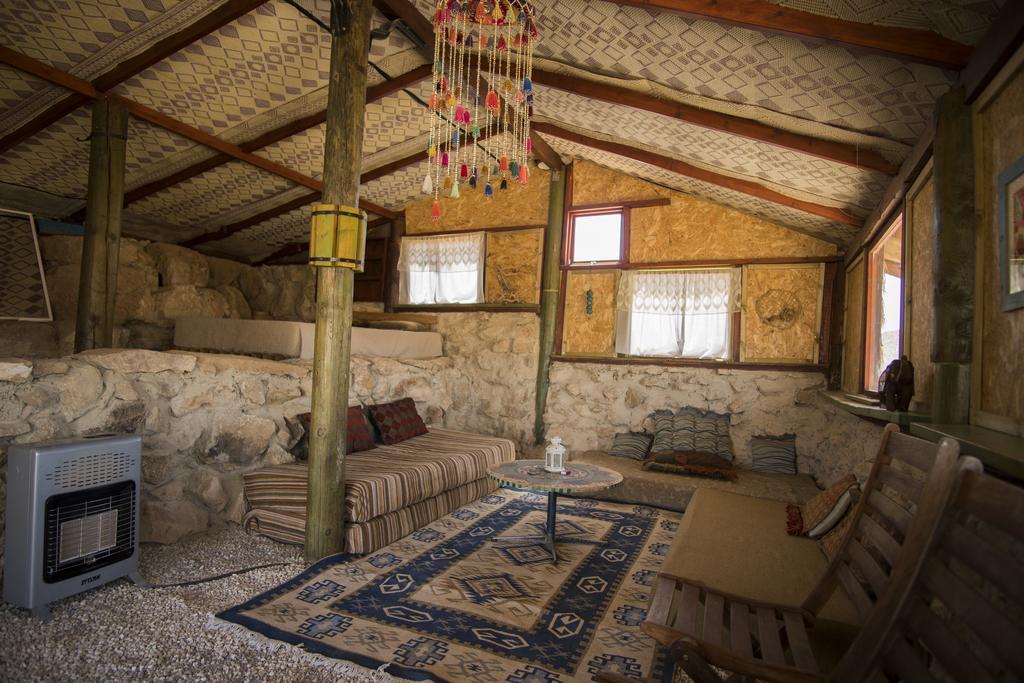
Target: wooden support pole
(549, 293)
(343, 142)
(953, 254)
(392, 277)
(97, 286)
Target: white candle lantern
(554, 456)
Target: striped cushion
(633, 445)
(664, 431)
(692, 430)
(774, 454)
(704, 431)
(288, 524)
(388, 478)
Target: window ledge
(469, 308)
(997, 450)
(872, 411)
(689, 363)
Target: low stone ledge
(15, 370)
(216, 362)
(139, 360)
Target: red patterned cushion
(359, 436)
(397, 421)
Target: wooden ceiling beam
(914, 45)
(222, 15)
(544, 152)
(682, 168)
(838, 152)
(373, 94)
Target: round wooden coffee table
(530, 475)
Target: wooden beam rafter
(736, 125)
(747, 187)
(222, 15)
(373, 93)
(83, 87)
(907, 44)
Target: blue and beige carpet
(446, 604)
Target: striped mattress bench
(390, 491)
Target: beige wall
(518, 205)
(853, 330)
(999, 336)
(919, 292)
(691, 229)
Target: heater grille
(88, 529)
(91, 470)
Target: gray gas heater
(72, 518)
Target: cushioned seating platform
(286, 339)
(738, 544)
(288, 524)
(383, 486)
(673, 491)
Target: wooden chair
(894, 522)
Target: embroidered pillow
(694, 464)
(830, 542)
(774, 454)
(397, 421)
(633, 445)
(822, 512)
(359, 436)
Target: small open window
(884, 303)
(597, 237)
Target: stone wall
(205, 419)
(157, 283)
(590, 402)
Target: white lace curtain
(679, 313)
(446, 269)
(672, 292)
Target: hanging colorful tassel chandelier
(482, 97)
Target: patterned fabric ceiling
(269, 68)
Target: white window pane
(683, 314)
(706, 335)
(597, 238)
(655, 334)
(442, 270)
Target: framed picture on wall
(1011, 235)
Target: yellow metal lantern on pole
(338, 237)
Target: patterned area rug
(447, 604)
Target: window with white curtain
(445, 269)
(677, 313)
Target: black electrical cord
(225, 575)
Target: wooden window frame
(570, 236)
(898, 218)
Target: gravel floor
(121, 632)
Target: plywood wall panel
(513, 267)
(920, 283)
(999, 143)
(594, 184)
(594, 333)
(853, 333)
(781, 313)
(689, 229)
(518, 205)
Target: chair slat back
(964, 616)
(904, 469)
(929, 510)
